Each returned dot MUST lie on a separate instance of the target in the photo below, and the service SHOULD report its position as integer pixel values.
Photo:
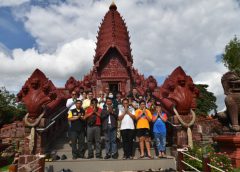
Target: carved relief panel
(114, 68)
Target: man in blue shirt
(159, 129)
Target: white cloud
(59, 66)
(8, 3)
(164, 35)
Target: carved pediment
(114, 68)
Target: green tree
(206, 101)
(10, 110)
(231, 57)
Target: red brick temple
(113, 61)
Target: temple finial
(113, 6)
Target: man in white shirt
(71, 101)
(71, 105)
(126, 116)
(101, 99)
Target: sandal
(141, 157)
(164, 156)
(150, 157)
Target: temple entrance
(114, 87)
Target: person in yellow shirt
(143, 116)
(87, 102)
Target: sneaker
(63, 157)
(115, 156)
(90, 157)
(107, 156)
(99, 157)
(81, 156)
(74, 157)
(124, 157)
(55, 158)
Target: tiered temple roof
(113, 33)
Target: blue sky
(58, 37)
(13, 34)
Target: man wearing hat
(159, 129)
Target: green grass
(5, 168)
(236, 170)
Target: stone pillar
(231, 145)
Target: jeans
(94, 133)
(77, 139)
(110, 135)
(127, 141)
(160, 139)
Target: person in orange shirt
(143, 116)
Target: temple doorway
(114, 87)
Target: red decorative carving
(114, 68)
(71, 84)
(39, 93)
(179, 89)
(151, 83)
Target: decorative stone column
(230, 143)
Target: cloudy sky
(58, 37)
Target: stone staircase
(97, 165)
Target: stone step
(66, 145)
(136, 153)
(96, 165)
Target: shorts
(143, 132)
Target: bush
(219, 160)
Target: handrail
(26, 165)
(190, 166)
(205, 163)
(55, 117)
(191, 156)
(53, 120)
(49, 125)
(37, 169)
(215, 167)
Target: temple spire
(113, 6)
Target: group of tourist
(111, 114)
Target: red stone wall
(207, 128)
(13, 134)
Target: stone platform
(96, 165)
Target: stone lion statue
(231, 86)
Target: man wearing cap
(159, 129)
(77, 130)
